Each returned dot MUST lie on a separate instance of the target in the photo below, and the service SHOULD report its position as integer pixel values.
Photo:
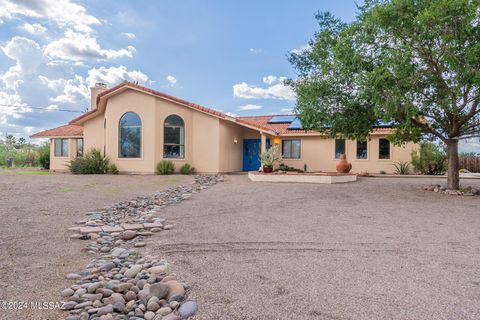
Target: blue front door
(251, 154)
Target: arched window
(174, 137)
(130, 136)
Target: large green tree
(412, 63)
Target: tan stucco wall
(59, 164)
(231, 147)
(94, 134)
(319, 155)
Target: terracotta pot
(267, 169)
(343, 166)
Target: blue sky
(227, 55)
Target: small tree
(430, 159)
(412, 63)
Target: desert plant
(91, 163)
(382, 172)
(112, 169)
(401, 167)
(430, 159)
(165, 167)
(44, 156)
(270, 156)
(187, 169)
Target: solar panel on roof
(295, 125)
(282, 119)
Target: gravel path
(380, 248)
(35, 213)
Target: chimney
(95, 91)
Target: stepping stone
(135, 226)
(85, 230)
(112, 229)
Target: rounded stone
(164, 311)
(133, 271)
(105, 310)
(140, 244)
(129, 234)
(160, 289)
(73, 276)
(149, 315)
(188, 309)
(176, 292)
(114, 298)
(67, 292)
(130, 295)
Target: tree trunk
(453, 180)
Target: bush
(431, 159)
(92, 163)
(165, 167)
(401, 167)
(187, 169)
(44, 156)
(112, 169)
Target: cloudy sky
(227, 55)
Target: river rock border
(120, 283)
(467, 191)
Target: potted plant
(269, 157)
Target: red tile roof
(69, 130)
(127, 84)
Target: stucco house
(136, 127)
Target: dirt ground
(36, 209)
(380, 248)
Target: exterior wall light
(235, 140)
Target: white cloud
(77, 46)
(255, 50)
(273, 79)
(128, 35)
(171, 79)
(275, 90)
(231, 114)
(469, 145)
(62, 12)
(72, 91)
(114, 75)
(250, 107)
(301, 49)
(286, 110)
(35, 28)
(27, 55)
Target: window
(339, 148)
(174, 137)
(362, 152)
(291, 149)
(79, 147)
(61, 147)
(130, 136)
(383, 149)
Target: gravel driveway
(35, 212)
(380, 248)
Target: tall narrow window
(339, 148)
(362, 152)
(174, 137)
(79, 147)
(383, 149)
(130, 136)
(291, 149)
(61, 147)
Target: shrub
(92, 163)
(430, 159)
(271, 156)
(187, 169)
(382, 172)
(401, 167)
(44, 156)
(165, 167)
(112, 169)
